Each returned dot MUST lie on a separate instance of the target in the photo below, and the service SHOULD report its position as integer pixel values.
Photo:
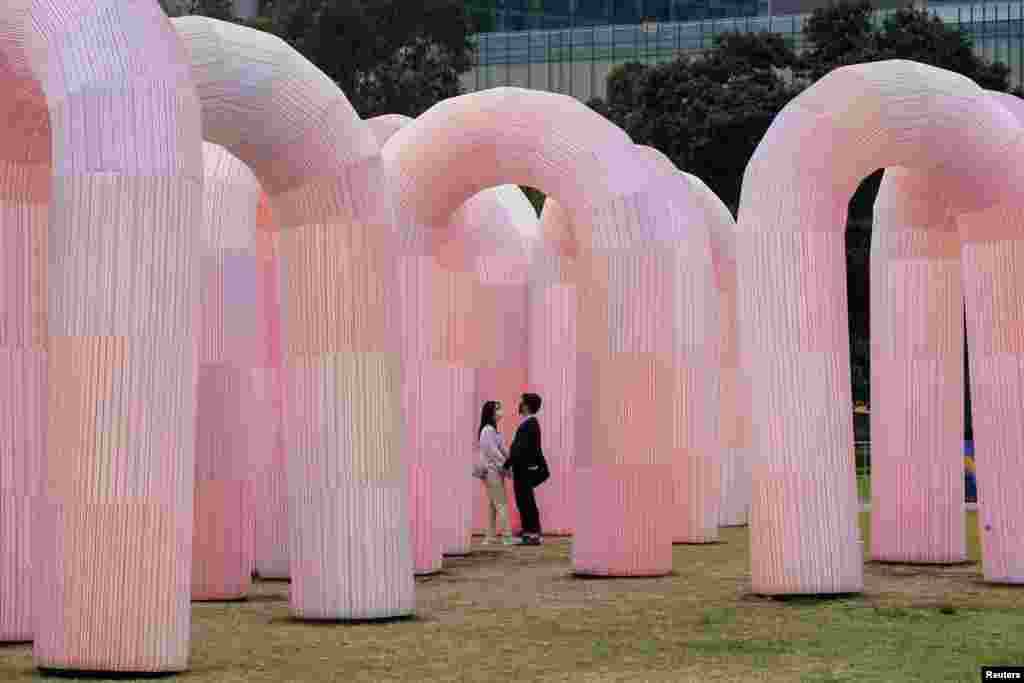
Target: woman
(492, 473)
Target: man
(525, 459)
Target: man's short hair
(532, 402)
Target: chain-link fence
(573, 52)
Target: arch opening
(447, 277)
(790, 243)
(558, 146)
(974, 256)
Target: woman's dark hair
(488, 417)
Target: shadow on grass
(698, 544)
(224, 601)
(107, 675)
(432, 576)
(575, 576)
(807, 599)
(324, 623)
(14, 644)
(982, 583)
(909, 569)
(268, 597)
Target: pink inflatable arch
(115, 510)
(24, 204)
(419, 308)
(790, 244)
(269, 481)
(493, 235)
(552, 362)
(693, 353)
(556, 144)
(917, 382)
(992, 291)
(458, 280)
(734, 390)
(233, 406)
(320, 165)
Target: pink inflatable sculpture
(233, 406)
(493, 235)
(269, 476)
(917, 382)
(791, 283)
(734, 390)
(552, 363)
(993, 288)
(320, 165)
(112, 529)
(553, 337)
(693, 352)
(24, 204)
(556, 144)
(421, 384)
(441, 492)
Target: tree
(915, 34)
(842, 34)
(836, 33)
(623, 81)
(387, 57)
(762, 50)
(216, 9)
(708, 113)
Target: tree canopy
(387, 57)
(216, 9)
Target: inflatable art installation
(551, 340)
(320, 166)
(25, 173)
(233, 407)
(917, 368)
(993, 282)
(267, 352)
(112, 527)
(557, 145)
(794, 345)
(931, 256)
(734, 393)
(453, 323)
(270, 486)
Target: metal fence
(576, 60)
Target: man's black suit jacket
(525, 451)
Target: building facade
(570, 46)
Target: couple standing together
(526, 461)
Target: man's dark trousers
(526, 503)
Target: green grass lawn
(516, 614)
